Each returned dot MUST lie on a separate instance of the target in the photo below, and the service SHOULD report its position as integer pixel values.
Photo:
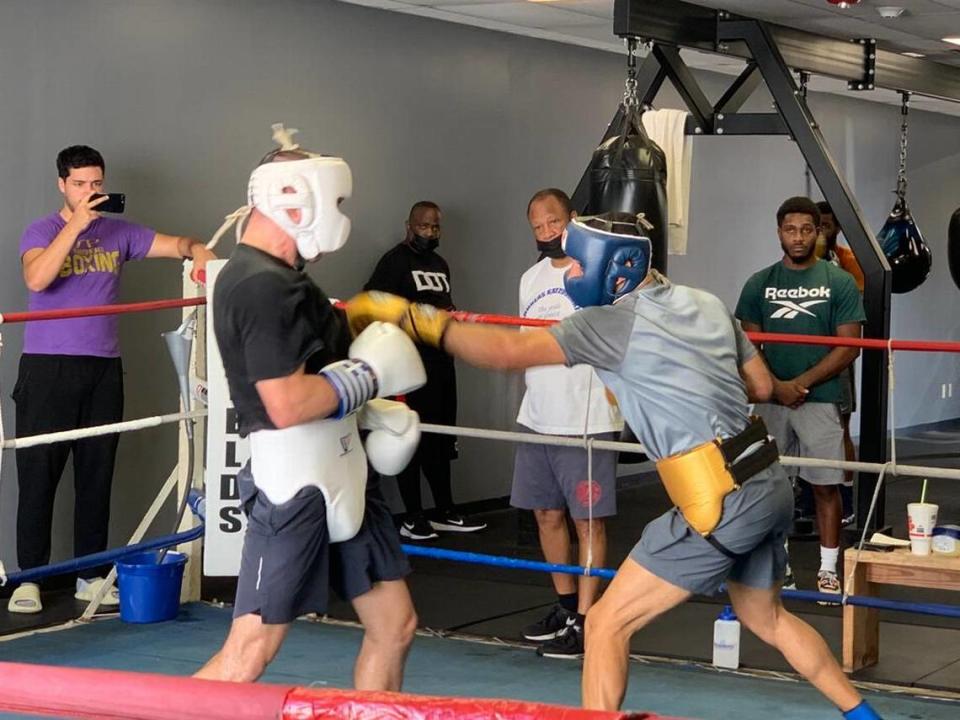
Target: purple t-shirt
(90, 276)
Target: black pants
(435, 402)
(64, 392)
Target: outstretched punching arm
(502, 349)
(486, 347)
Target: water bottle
(726, 640)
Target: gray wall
(180, 95)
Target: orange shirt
(848, 262)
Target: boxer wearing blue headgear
(683, 373)
(613, 257)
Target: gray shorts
(756, 521)
(288, 564)
(548, 477)
(848, 391)
(812, 430)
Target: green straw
(923, 492)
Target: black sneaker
(454, 522)
(555, 622)
(567, 645)
(417, 528)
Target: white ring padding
(95, 430)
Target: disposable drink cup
(921, 519)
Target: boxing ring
(77, 692)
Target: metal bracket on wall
(869, 65)
(771, 51)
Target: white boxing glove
(383, 361)
(394, 436)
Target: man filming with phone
(70, 373)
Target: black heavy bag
(953, 246)
(628, 173)
(902, 243)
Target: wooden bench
(861, 626)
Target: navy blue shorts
(289, 564)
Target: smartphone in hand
(115, 202)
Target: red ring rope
(494, 319)
(119, 309)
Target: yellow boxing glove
(368, 307)
(425, 324)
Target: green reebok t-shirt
(814, 301)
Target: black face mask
(552, 249)
(422, 244)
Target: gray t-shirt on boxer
(670, 354)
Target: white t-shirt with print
(556, 399)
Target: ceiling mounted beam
(687, 25)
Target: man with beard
(802, 295)
(413, 269)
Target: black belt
(760, 459)
(742, 470)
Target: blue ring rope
(472, 558)
(803, 595)
(102, 558)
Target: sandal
(25, 599)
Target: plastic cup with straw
(921, 519)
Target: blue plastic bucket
(150, 592)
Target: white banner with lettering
(226, 454)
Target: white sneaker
(88, 589)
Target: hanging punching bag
(900, 238)
(908, 254)
(953, 246)
(628, 173)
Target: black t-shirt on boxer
(269, 320)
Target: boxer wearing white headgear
(297, 380)
(315, 186)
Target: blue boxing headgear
(606, 256)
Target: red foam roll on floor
(108, 694)
(310, 704)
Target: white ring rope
(588, 441)
(96, 430)
(485, 434)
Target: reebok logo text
(802, 293)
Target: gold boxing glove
(425, 324)
(368, 307)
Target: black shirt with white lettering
(419, 277)
(422, 277)
(269, 319)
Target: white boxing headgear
(318, 184)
